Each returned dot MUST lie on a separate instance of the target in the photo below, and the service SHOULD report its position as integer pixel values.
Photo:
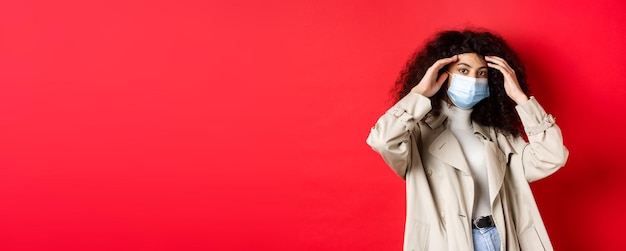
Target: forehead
(472, 59)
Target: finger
(508, 76)
(495, 58)
(498, 67)
(444, 61)
(498, 60)
(502, 68)
(442, 78)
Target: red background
(241, 125)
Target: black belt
(482, 222)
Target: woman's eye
(482, 73)
(464, 71)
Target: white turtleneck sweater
(460, 123)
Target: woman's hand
(511, 86)
(430, 83)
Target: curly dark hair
(498, 110)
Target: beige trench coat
(439, 185)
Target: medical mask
(465, 92)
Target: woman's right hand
(430, 83)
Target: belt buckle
(478, 220)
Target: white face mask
(465, 92)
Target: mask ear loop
(449, 75)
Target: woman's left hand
(511, 86)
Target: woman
(456, 139)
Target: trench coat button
(429, 172)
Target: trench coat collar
(480, 130)
(446, 148)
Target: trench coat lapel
(447, 149)
(494, 159)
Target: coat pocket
(529, 240)
(417, 237)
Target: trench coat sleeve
(544, 153)
(396, 131)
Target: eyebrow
(470, 65)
